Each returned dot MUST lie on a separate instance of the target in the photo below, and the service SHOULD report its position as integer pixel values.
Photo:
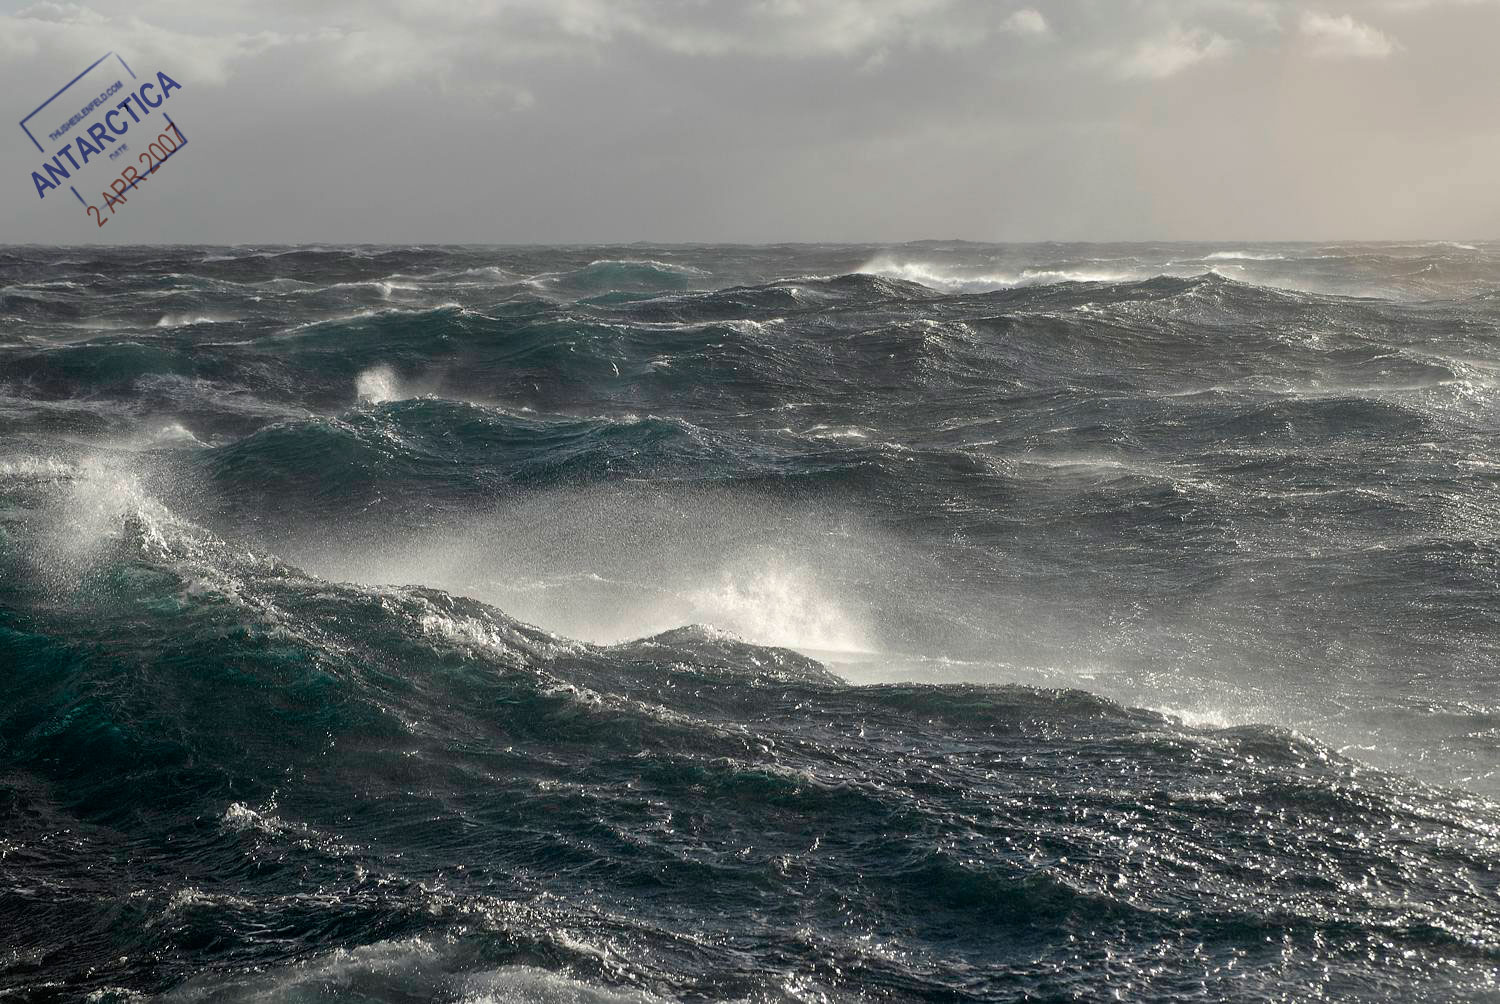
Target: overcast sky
(500, 121)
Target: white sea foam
(764, 602)
(169, 433)
(378, 385)
(958, 280)
(385, 287)
(528, 985)
(836, 432)
(98, 502)
(192, 897)
(609, 566)
(240, 816)
(46, 468)
(188, 320)
(1205, 718)
(106, 505)
(493, 272)
(1244, 256)
(408, 969)
(778, 604)
(664, 266)
(468, 633)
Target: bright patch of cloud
(59, 35)
(1171, 53)
(1343, 36)
(1410, 6)
(61, 13)
(1026, 21)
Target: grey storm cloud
(681, 120)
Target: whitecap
(951, 280)
(1243, 256)
(189, 320)
(378, 385)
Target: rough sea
(932, 622)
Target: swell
(735, 623)
(469, 448)
(630, 774)
(732, 347)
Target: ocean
(926, 622)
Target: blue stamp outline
(44, 104)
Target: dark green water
(942, 622)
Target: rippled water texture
(812, 623)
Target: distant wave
(1244, 256)
(960, 280)
(623, 275)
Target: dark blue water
(941, 622)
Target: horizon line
(768, 243)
